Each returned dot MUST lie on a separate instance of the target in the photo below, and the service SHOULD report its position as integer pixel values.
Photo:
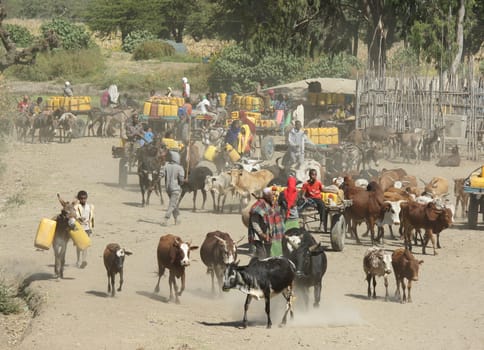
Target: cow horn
(220, 239)
(423, 182)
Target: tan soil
(447, 310)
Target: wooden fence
(405, 103)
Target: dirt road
(447, 310)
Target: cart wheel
(338, 232)
(123, 172)
(472, 213)
(267, 148)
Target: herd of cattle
(391, 198)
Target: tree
(109, 16)
(442, 30)
(27, 55)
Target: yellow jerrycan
(80, 237)
(45, 234)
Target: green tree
(445, 28)
(69, 9)
(109, 16)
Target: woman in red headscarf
(288, 203)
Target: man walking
(174, 177)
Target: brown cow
(424, 216)
(460, 196)
(173, 254)
(114, 262)
(218, 250)
(405, 266)
(366, 206)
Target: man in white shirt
(85, 216)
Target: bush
(135, 38)
(72, 36)
(19, 35)
(8, 301)
(152, 50)
(79, 65)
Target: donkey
(65, 222)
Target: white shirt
(187, 89)
(85, 216)
(203, 104)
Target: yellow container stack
(80, 237)
(323, 136)
(45, 234)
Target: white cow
(219, 185)
(377, 263)
(390, 216)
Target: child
(312, 192)
(85, 216)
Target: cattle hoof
(316, 305)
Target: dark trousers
(319, 204)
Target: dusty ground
(446, 313)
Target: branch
(27, 55)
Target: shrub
(8, 301)
(152, 50)
(79, 65)
(19, 35)
(72, 36)
(135, 38)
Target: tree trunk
(27, 55)
(459, 38)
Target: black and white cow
(262, 279)
(310, 259)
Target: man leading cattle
(265, 226)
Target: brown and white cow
(173, 254)
(461, 197)
(218, 250)
(377, 263)
(405, 266)
(113, 258)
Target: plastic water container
(210, 153)
(223, 99)
(45, 234)
(80, 237)
(233, 154)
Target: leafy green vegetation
(72, 36)
(20, 35)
